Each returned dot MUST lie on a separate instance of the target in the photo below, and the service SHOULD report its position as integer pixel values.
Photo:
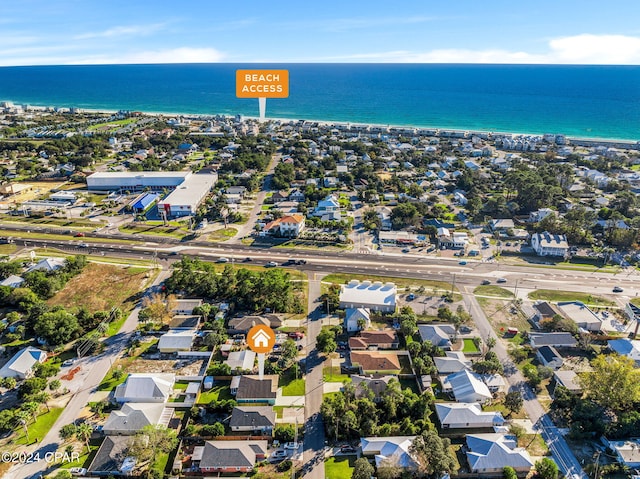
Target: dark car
(346, 448)
(617, 289)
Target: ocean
(582, 101)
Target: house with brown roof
(244, 323)
(377, 362)
(250, 388)
(387, 339)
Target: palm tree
(22, 417)
(32, 408)
(42, 398)
(83, 433)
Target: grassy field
(8, 248)
(469, 346)
(491, 290)
(341, 278)
(115, 285)
(331, 374)
(76, 223)
(39, 428)
(150, 228)
(499, 314)
(220, 391)
(111, 125)
(294, 388)
(222, 234)
(339, 467)
(555, 296)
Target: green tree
(404, 215)
(389, 469)
(57, 327)
(362, 469)
(54, 385)
(285, 433)
(152, 440)
(513, 401)
(432, 454)
(546, 468)
(9, 382)
(613, 384)
(31, 386)
(509, 472)
(326, 341)
(67, 431)
(83, 434)
(531, 373)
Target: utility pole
(453, 285)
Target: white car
(78, 471)
(222, 260)
(292, 445)
(271, 264)
(280, 454)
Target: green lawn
(220, 391)
(38, 429)
(339, 467)
(469, 346)
(556, 296)
(294, 388)
(332, 374)
(85, 458)
(222, 234)
(491, 290)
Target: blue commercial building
(143, 202)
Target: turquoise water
(586, 101)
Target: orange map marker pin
(261, 339)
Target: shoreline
(629, 142)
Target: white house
(375, 296)
(440, 335)
(464, 415)
(466, 386)
(546, 244)
(491, 453)
(328, 209)
(626, 347)
(47, 265)
(351, 317)
(241, 359)
(20, 366)
(289, 226)
(178, 340)
(392, 448)
(580, 314)
(145, 387)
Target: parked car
(68, 362)
(78, 471)
(411, 297)
(278, 456)
(296, 335)
(292, 445)
(346, 448)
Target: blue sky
(38, 32)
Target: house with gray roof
(112, 458)
(244, 323)
(243, 360)
(250, 388)
(557, 340)
(132, 417)
(449, 365)
(440, 335)
(366, 385)
(549, 357)
(464, 415)
(253, 419)
(375, 296)
(466, 387)
(12, 281)
(351, 317)
(145, 388)
(491, 453)
(186, 306)
(176, 340)
(626, 347)
(229, 456)
(393, 448)
(20, 366)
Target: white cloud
(120, 31)
(173, 55)
(578, 49)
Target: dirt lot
(38, 189)
(500, 315)
(115, 283)
(180, 367)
